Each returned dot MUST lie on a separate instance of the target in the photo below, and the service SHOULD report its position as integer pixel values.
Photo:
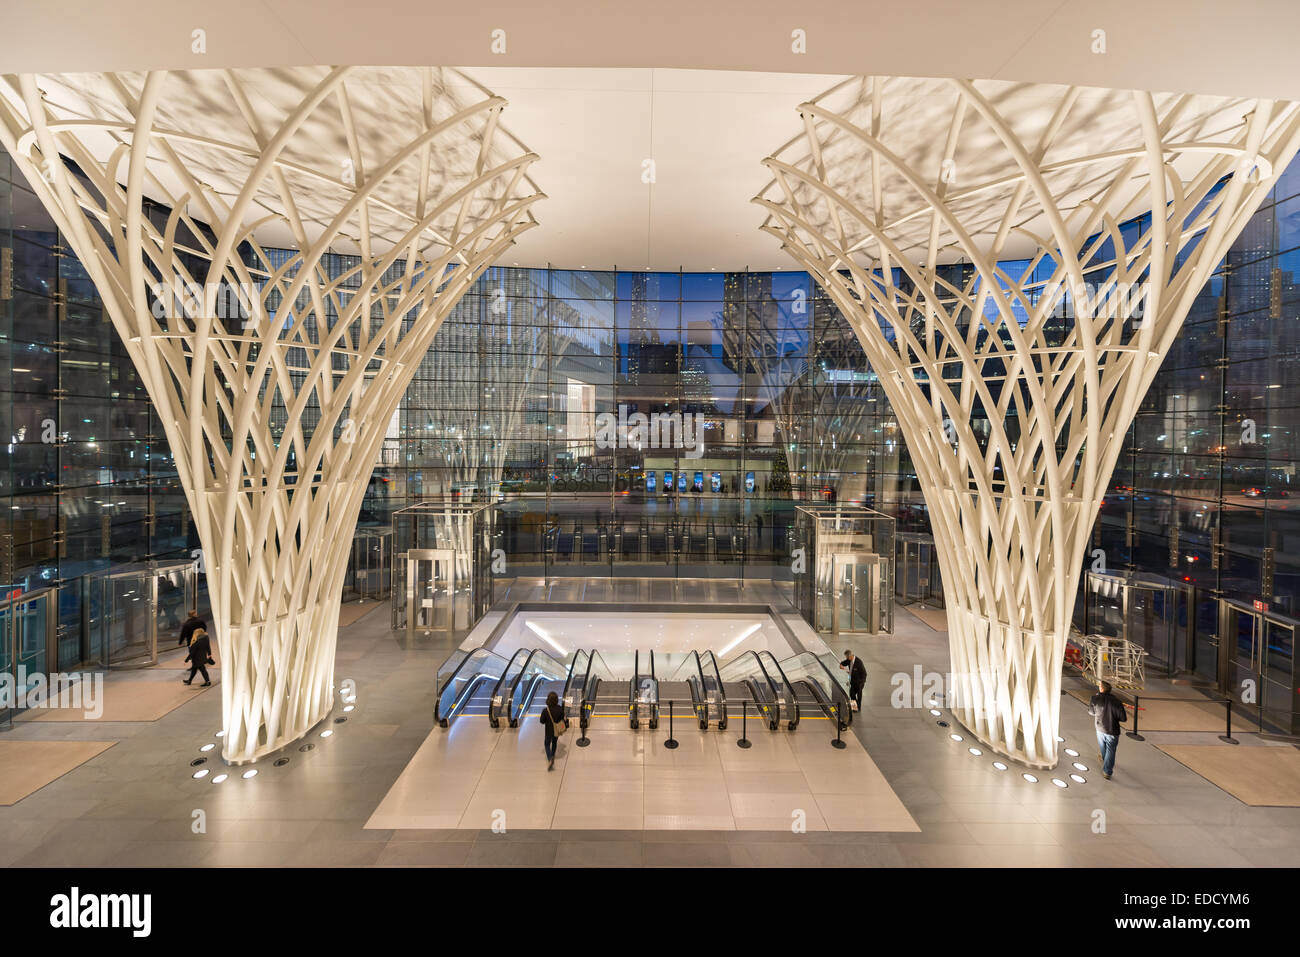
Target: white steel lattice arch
(1014, 386)
(275, 417)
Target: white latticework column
(986, 241)
(392, 189)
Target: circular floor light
(975, 751)
(1078, 779)
(1059, 783)
(1080, 767)
(200, 774)
(935, 712)
(207, 747)
(221, 734)
(219, 778)
(327, 732)
(348, 707)
(999, 765)
(1060, 740)
(955, 737)
(1029, 777)
(250, 773)
(1071, 752)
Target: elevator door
(1257, 658)
(430, 590)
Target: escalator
(465, 683)
(748, 679)
(601, 691)
(697, 680)
(530, 676)
(645, 694)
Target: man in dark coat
(857, 677)
(191, 624)
(1107, 713)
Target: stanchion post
(744, 741)
(1137, 707)
(671, 742)
(1227, 735)
(583, 740)
(839, 726)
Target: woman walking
(200, 656)
(556, 724)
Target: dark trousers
(197, 667)
(855, 692)
(552, 743)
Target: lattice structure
(1014, 385)
(170, 187)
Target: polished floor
(136, 803)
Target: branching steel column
(1015, 384)
(275, 415)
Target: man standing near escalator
(857, 677)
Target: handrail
(470, 681)
(786, 688)
(513, 713)
(776, 692)
(494, 702)
(838, 707)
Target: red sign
(1260, 605)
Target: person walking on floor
(200, 657)
(857, 677)
(192, 623)
(1108, 712)
(556, 724)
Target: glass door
(1257, 659)
(430, 590)
(26, 644)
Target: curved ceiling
(1243, 48)
(705, 91)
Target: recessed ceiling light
(250, 773)
(1059, 783)
(1029, 777)
(999, 765)
(201, 773)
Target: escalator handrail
(776, 692)
(785, 682)
(505, 674)
(523, 671)
(841, 702)
(437, 698)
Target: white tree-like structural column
(987, 242)
(173, 190)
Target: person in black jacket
(192, 623)
(857, 677)
(552, 719)
(1108, 713)
(200, 657)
